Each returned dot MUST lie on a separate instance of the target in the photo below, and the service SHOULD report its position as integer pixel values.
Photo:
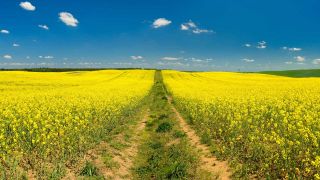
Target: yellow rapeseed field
(53, 116)
(269, 125)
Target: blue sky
(246, 35)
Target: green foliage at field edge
(295, 73)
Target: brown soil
(208, 162)
(30, 175)
(123, 158)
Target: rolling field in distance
(295, 73)
(125, 124)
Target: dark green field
(295, 73)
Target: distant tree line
(69, 69)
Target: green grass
(109, 162)
(295, 73)
(118, 145)
(89, 170)
(164, 127)
(166, 152)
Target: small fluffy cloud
(7, 56)
(295, 49)
(170, 58)
(136, 57)
(199, 31)
(184, 27)
(192, 27)
(27, 6)
(187, 26)
(300, 58)
(15, 45)
(262, 45)
(198, 60)
(3, 31)
(171, 64)
(43, 26)
(316, 61)
(289, 62)
(46, 57)
(161, 22)
(68, 19)
(201, 60)
(248, 60)
(247, 45)
(292, 49)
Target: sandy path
(208, 162)
(123, 158)
(126, 157)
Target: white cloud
(43, 26)
(184, 27)
(191, 26)
(262, 45)
(199, 31)
(17, 64)
(7, 56)
(289, 62)
(247, 45)
(27, 6)
(45, 64)
(292, 49)
(3, 31)
(204, 60)
(197, 60)
(46, 57)
(316, 61)
(68, 19)
(27, 57)
(170, 58)
(295, 49)
(300, 58)
(15, 45)
(171, 64)
(161, 22)
(136, 57)
(248, 60)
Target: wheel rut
(122, 159)
(208, 162)
(125, 158)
